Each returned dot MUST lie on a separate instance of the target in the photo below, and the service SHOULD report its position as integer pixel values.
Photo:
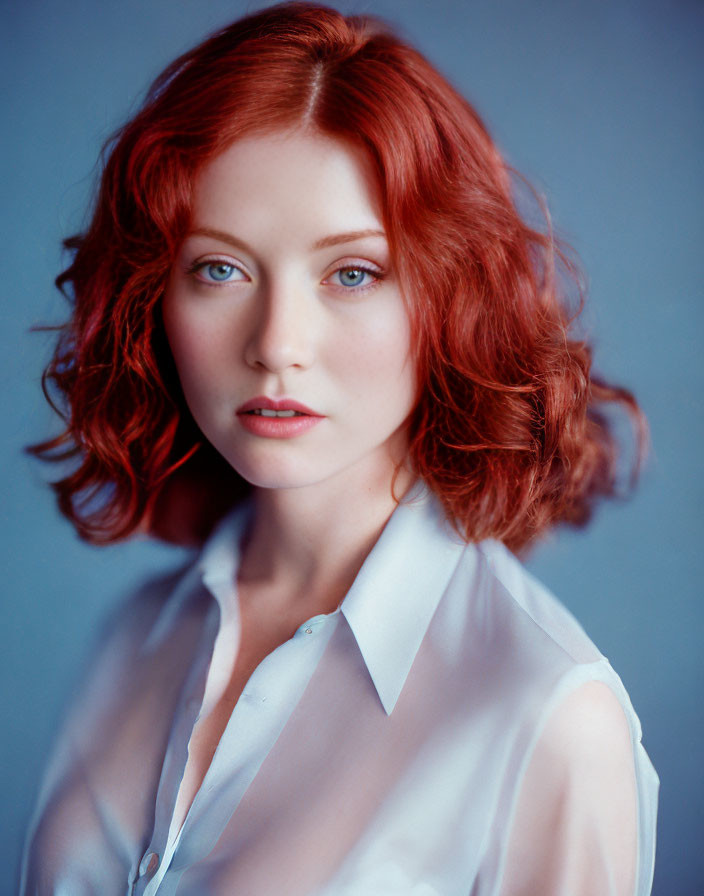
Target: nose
(281, 328)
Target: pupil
(220, 271)
(352, 276)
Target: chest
(309, 768)
(232, 666)
(347, 797)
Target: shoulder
(577, 789)
(574, 698)
(512, 628)
(587, 732)
(574, 826)
(521, 605)
(532, 658)
(124, 649)
(131, 624)
(512, 644)
(100, 721)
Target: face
(285, 318)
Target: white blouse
(450, 730)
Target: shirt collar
(398, 588)
(220, 557)
(393, 597)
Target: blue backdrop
(599, 104)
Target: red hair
(506, 430)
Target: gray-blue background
(600, 104)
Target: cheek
(199, 344)
(373, 357)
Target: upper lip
(276, 404)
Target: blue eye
(217, 272)
(220, 271)
(352, 276)
(355, 277)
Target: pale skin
(583, 758)
(285, 287)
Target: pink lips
(277, 427)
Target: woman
(312, 332)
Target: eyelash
(376, 274)
(198, 266)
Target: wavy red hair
(507, 429)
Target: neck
(306, 545)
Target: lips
(262, 403)
(277, 418)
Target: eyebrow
(349, 237)
(332, 240)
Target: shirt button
(309, 631)
(150, 863)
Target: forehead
(271, 181)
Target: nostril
(279, 344)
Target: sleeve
(584, 813)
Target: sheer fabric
(450, 729)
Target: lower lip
(278, 427)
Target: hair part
(509, 428)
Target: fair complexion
(284, 288)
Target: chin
(275, 474)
